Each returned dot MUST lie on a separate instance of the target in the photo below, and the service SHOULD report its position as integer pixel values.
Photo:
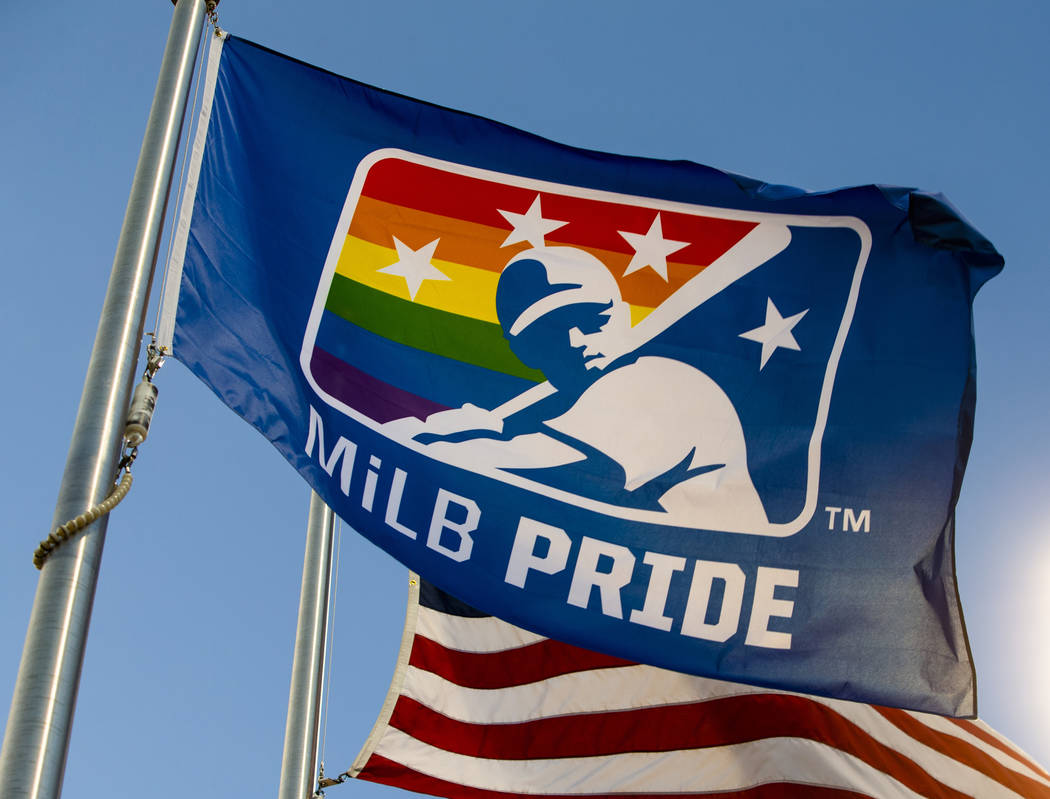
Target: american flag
(482, 709)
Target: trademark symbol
(852, 520)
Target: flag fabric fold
(481, 708)
(663, 412)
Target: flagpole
(299, 763)
(33, 757)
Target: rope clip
(127, 458)
(154, 359)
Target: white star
(651, 249)
(529, 226)
(414, 265)
(776, 332)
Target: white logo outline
(771, 235)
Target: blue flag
(647, 407)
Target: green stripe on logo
(428, 329)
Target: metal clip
(154, 359)
(127, 458)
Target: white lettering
(704, 574)
(393, 504)
(523, 556)
(855, 522)
(765, 606)
(440, 521)
(371, 479)
(832, 512)
(652, 612)
(343, 448)
(586, 576)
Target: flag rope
(136, 428)
(66, 531)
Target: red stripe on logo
(591, 222)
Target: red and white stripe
(480, 708)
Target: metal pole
(299, 762)
(33, 757)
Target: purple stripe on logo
(377, 400)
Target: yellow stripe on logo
(467, 292)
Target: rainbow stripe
(389, 355)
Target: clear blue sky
(185, 685)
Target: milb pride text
(601, 567)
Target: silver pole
(33, 757)
(299, 763)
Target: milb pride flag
(649, 408)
